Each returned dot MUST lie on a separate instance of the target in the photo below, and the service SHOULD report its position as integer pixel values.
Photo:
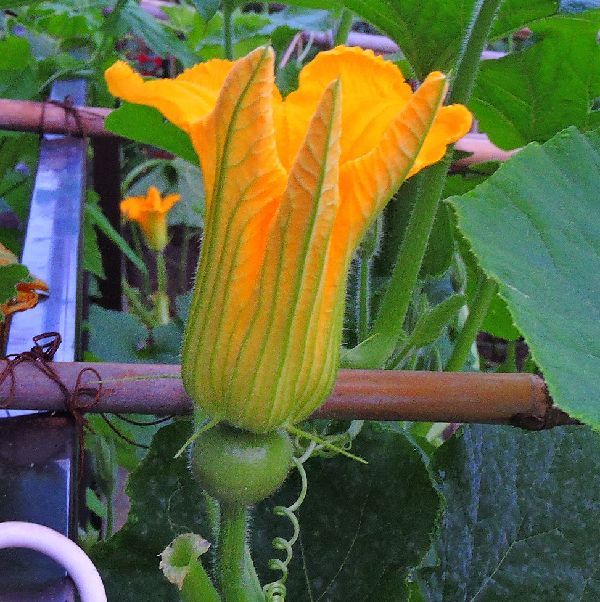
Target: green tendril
(324, 443)
(276, 590)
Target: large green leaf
(430, 33)
(162, 41)
(116, 336)
(148, 126)
(10, 276)
(533, 94)
(521, 522)
(164, 503)
(533, 227)
(361, 527)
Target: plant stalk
(343, 28)
(396, 300)
(163, 314)
(363, 298)
(469, 59)
(228, 6)
(477, 313)
(231, 554)
(510, 362)
(183, 283)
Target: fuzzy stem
(363, 298)
(469, 59)
(228, 6)
(231, 554)
(396, 300)
(197, 586)
(182, 276)
(510, 362)
(343, 28)
(477, 313)
(162, 297)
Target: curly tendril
(276, 590)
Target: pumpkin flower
(291, 187)
(150, 212)
(28, 293)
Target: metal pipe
(520, 399)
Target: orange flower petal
(279, 346)
(150, 212)
(374, 90)
(183, 100)
(367, 183)
(451, 124)
(244, 181)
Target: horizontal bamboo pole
(519, 399)
(51, 118)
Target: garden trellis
(518, 399)
(505, 250)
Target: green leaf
(92, 259)
(362, 526)
(160, 40)
(533, 94)
(148, 126)
(10, 276)
(181, 565)
(430, 33)
(206, 8)
(499, 322)
(164, 503)
(430, 324)
(369, 354)
(15, 53)
(532, 227)
(115, 336)
(93, 503)
(521, 520)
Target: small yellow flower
(291, 187)
(150, 212)
(28, 293)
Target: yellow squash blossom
(291, 187)
(150, 212)
(28, 293)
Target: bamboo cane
(519, 399)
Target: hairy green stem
(139, 251)
(469, 59)
(231, 554)
(343, 28)
(228, 6)
(363, 297)
(183, 283)
(477, 313)
(396, 300)
(163, 314)
(197, 586)
(510, 361)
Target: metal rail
(518, 399)
(38, 452)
